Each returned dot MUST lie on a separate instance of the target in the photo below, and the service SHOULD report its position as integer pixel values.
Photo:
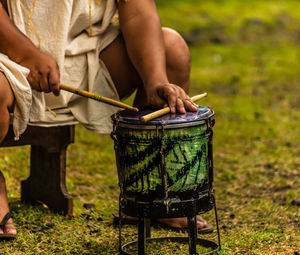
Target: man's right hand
(44, 73)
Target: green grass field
(246, 55)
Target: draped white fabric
(73, 32)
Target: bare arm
(141, 28)
(44, 73)
(4, 4)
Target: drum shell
(183, 152)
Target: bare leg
(178, 63)
(126, 80)
(6, 104)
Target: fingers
(45, 80)
(180, 106)
(169, 93)
(177, 99)
(172, 101)
(190, 105)
(183, 105)
(44, 84)
(34, 80)
(54, 80)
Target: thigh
(122, 71)
(125, 76)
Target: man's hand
(44, 72)
(171, 95)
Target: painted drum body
(170, 156)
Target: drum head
(187, 119)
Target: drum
(170, 156)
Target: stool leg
(46, 182)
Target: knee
(177, 54)
(6, 94)
(2, 179)
(4, 123)
(4, 119)
(6, 103)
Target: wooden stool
(46, 182)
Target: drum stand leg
(217, 223)
(192, 229)
(143, 234)
(120, 227)
(148, 230)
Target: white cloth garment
(73, 32)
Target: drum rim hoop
(141, 126)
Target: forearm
(4, 4)
(143, 36)
(13, 43)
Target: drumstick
(97, 97)
(166, 110)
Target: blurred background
(246, 56)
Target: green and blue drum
(168, 157)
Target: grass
(245, 54)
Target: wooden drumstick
(97, 97)
(166, 110)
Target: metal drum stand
(167, 204)
(174, 208)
